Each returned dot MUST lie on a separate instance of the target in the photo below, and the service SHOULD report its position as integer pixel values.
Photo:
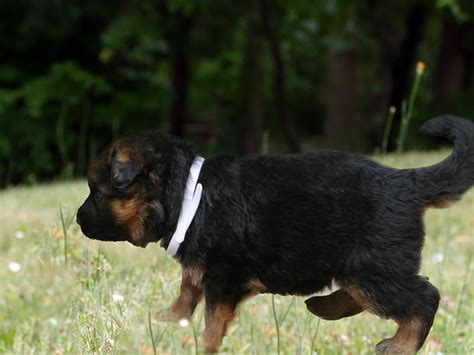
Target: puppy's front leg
(222, 300)
(190, 295)
(218, 316)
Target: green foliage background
(76, 74)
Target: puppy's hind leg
(412, 302)
(337, 305)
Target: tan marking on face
(217, 321)
(122, 155)
(130, 214)
(121, 152)
(93, 175)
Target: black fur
(299, 222)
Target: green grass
(49, 306)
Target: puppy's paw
(166, 315)
(210, 344)
(387, 346)
(203, 350)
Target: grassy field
(85, 296)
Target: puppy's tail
(448, 180)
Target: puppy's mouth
(138, 243)
(100, 236)
(87, 233)
(95, 236)
(95, 233)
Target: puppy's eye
(99, 197)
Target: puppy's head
(128, 186)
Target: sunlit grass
(101, 302)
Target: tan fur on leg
(405, 341)
(217, 320)
(191, 293)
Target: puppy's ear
(123, 171)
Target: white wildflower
(19, 235)
(344, 338)
(183, 322)
(117, 297)
(14, 266)
(438, 258)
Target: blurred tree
(404, 62)
(397, 52)
(456, 55)
(178, 19)
(76, 74)
(252, 75)
(340, 23)
(280, 78)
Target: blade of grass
(196, 342)
(150, 328)
(282, 319)
(63, 223)
(463, 290)
(388, 127)
(313, 338)
(407, 114)
(275, 317)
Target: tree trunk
(397, 48)
(279, 81)
(343, 125)
(452, 74)
(380, 104)
(252, 87)
(179, 37)
(403, 65)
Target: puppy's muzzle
(79, 216)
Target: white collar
(189, 206)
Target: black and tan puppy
(287, 225)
